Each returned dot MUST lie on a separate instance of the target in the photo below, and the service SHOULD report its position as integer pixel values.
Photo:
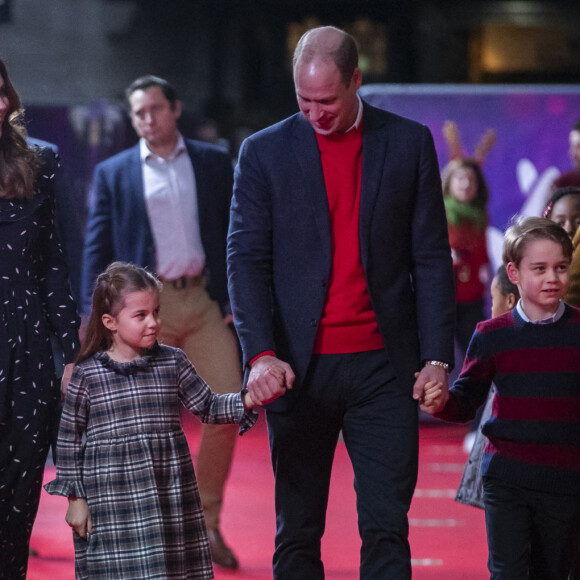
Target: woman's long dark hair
(19, 163)
(112, 286)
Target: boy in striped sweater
(531, 466)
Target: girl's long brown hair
(19, 163)
(112, 286)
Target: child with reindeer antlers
(466, 194)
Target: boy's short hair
(526, 230)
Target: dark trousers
(359, 394)
(530, 534)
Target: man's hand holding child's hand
(434, 396)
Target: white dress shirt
(171, 199)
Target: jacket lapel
(310, 182)
(375, 144)
(201, 182)
(135, 186)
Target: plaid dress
(134, 468)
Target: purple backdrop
(531, 122)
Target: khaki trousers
(192, 321)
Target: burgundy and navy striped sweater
(534, 429)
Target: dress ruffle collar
(127, 368)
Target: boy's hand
(78, 516)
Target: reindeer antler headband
(456, 150)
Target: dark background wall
(230, 59)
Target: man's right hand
(269, 378)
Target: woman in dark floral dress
(35, 301)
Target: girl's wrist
(247, 400)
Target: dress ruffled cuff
(65, 488)
(248, 421)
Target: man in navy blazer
(344, 331)
(164, 204)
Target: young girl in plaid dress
(122, 457)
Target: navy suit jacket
(279, 245)
(118, 226)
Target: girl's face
(500, 303)
(463, 184)
(135, 327)
(566, 213)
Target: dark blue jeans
(360, 395)
(530, 534)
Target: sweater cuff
(265, 353)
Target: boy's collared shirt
(551, 319)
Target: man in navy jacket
(344, 331)
(164, 205)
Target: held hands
(431, 389)
(78, 516)
(269, 379)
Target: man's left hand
(431, 389)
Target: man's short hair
(146, 82)
(526, 230)
(344, 54)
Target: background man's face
(153, 117)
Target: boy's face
(542, 278)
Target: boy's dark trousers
(531, 534)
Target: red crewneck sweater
(348, 323)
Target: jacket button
(313, 322)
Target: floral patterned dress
(121, 446)
(35, 301)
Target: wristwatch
(438, 363)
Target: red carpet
(447, 539)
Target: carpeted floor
(447, 539)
